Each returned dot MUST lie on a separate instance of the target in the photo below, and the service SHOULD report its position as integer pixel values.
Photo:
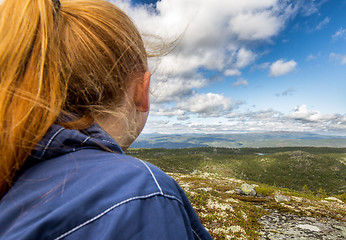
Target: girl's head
(76, 58)
(101, 52)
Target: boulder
(248, 190)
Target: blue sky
(246, 66)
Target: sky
(245, 66)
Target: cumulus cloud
(244, 58)
(208, 104)
(175, 88)
(214, 34)
(220, 36)
(246, 25)
(240, 82)
(338, 57)
(280, 67)
(303, 113)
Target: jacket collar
(59, 140)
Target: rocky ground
(278, 225)
(269, 213)
(309, 219)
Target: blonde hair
(77, 57)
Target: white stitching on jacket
(86, 139)
(173, 197)
(108, 142)
(195, 233)
(157, 184)
(50, 141)
(111, 208)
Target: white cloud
(303, 113)
(300, 119)
(244, 58)
(340, 34)
(215, 35)
(308, 7)
(213, 31)
(281, 67)
(338, 57)
(157, 111)
(323, 23)
(220, 35)
(240, 82)
(232, 72)
(175, 88)
(255, 25)
(209, 104)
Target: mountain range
(239, 140)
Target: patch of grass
(265, 191)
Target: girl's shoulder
(80, 185)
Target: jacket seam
(115, 206)
(195, 234)
(50, 141)
(152, 175)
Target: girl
(74, 91)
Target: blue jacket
(80, 185)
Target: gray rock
(288, 226)
(248, 190)
(281, 198)
(308, 227)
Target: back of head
(72, 57)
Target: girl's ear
(141, 96)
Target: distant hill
(289, 167)
(239, 140)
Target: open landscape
(247, 112)
(239, 140)
(300, 191)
